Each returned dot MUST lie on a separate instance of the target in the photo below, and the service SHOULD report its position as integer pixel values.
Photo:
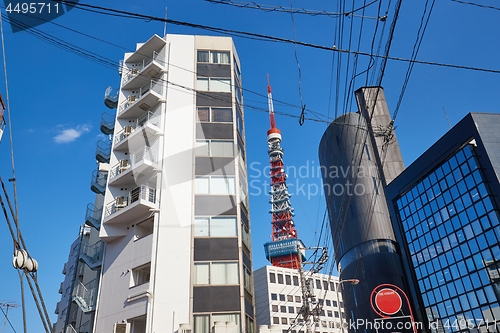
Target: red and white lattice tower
(285, 247)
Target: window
(215, 226)
(297, 299)
(284, 321)
(214, 57)
(283, 309)
(274, 297)
(289, 298)
(318, 284)
(291, 309)
(325, 285)
(282, 297)
(288, 280)
(214, 148)
(216, 273)
(215, 185)
(280, 278)
(272, 277)
(295, 280)
(247, 279)
(140, 275)
(276, 320)
(215, 115)
(275, 308)
(213, 84)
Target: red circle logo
(388, 301)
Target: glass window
(220, 57)
(203, 56)
(222, 148)
(202, 83)
(272, 277)
(222, 115)
(201, 324)
(203, 114)
(140, 275)
(274, 297)
(202, 148)
(201, 227)
(224, 273)
(202, 185)
(224, 227)
(288, 280)
(220, 85)
(222, 185)
(201, 273)
(295, 280)
(280, 278)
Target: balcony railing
(92, 254)
(142, 192)
(111, 98)
(107, 123)
(93, 216)
(98, 181)
(138, 67)
(143, 155)
(85, 295)
(153, 86)
(103, 151)
(151, 118)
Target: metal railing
(93, 216)
(85, 295)
(142, 155)
(107, 123)
(154, 85)
(98, 181)
(70, 329)
(111, 98)
(151, 118)
(93, 253)
(138, 67)
(142, 192)
(103, 151)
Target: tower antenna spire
(284, 248)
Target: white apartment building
(175, 215)
(278, 300)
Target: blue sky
(56, 105)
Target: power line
(246, 34)
(281, 9)
(475, 4)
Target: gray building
(445, 208)
(359, 155)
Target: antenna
(165, 23)
(7, 305)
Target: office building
(175, 216)
(445, 208)
(359, 155)
(279, 299)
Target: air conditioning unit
(134, 71)
(121, 328)
(124, 165)
(127, 130)
(120, 203)
(132, 98)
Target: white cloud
(71, 134)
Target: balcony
(92, 254)
(107, 123)
(142, 99)
(85, 295)
(148, 125)
(98, 182)
(60, 291)
(142, 162)
(137, 204)
(93, 216)
(138, 73)
(103, 151)
(111, 98)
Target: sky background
(56, 100)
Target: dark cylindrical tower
(365, 247)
